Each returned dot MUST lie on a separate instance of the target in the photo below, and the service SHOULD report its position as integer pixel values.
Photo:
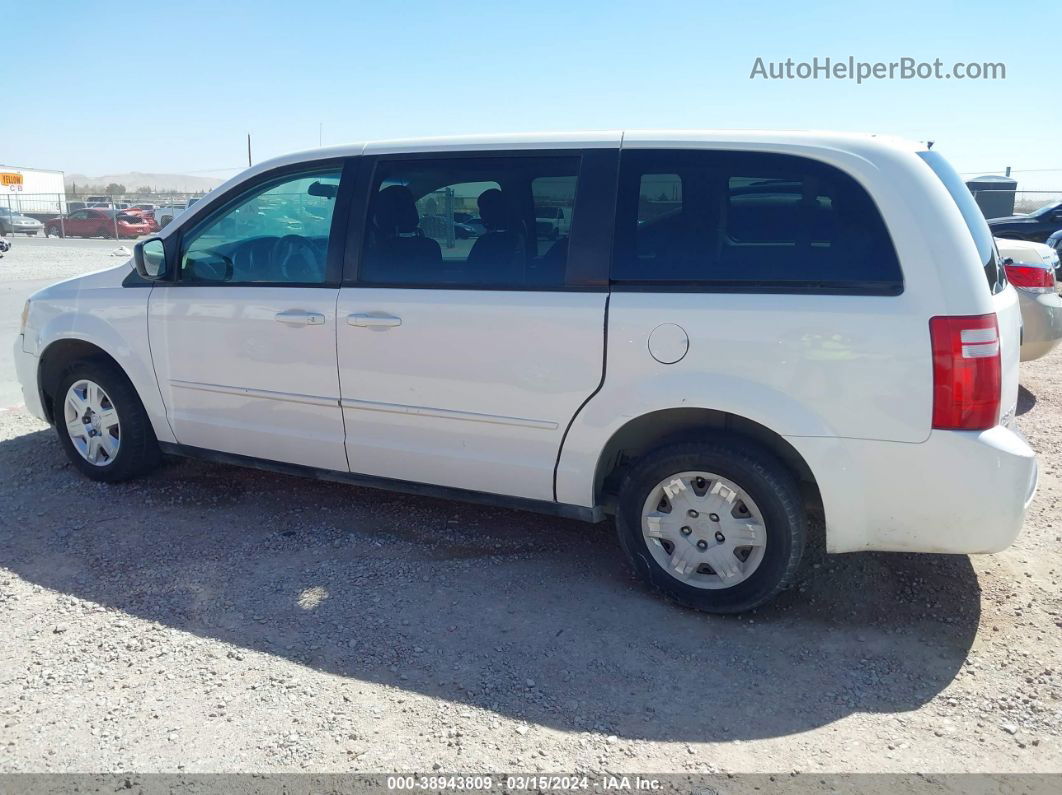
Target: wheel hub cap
(704, 530)
(92, 422)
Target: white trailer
(35, 192)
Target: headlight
(25, 317)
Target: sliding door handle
(373, 320)
(299, 317)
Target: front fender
(115, 323)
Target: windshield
(1047, 208)
(971, 213)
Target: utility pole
(248, 150)
(1008, 171)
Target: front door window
(277, 234)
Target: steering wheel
(296, 258)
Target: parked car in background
(145, 209)
(166, 212)
(148, 217)
(76, 205)
(1055, 242)
(552, 222)
(5, 246)
(1036, 227)
(840, 338)
(1032, 269)
(12, 222)
(436, 226)
(100, 222)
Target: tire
(53, 231)
(101, 232)
(773, 520)
(137, 450)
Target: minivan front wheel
(101, 423)
(716, 526)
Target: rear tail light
(967, 376)
(1031, 277)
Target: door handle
(299, 317)
(373, 320)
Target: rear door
(462, 360)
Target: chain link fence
(113, 216)
(1000, 202)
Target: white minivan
(735, 329)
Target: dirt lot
(216, 619)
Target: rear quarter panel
(815, 366)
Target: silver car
(1032, 268)
(12, 222)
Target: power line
(1012, 171)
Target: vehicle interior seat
(399, 246)
(502, 247)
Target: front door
(464, 348)
(243, 341)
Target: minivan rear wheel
(717, 526)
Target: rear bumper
(959, 492)
(1041, 317)
(26, 370)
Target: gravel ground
(209, 618)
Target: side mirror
(149, 256)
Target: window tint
(470, 222)
(975, 220)
(276, 234)
(748, 221)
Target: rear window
(749, 222)
(971, 213)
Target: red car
(147, 215)
(100, 222)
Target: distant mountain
(136, 179)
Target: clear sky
(106, 87)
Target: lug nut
(685, 531)
(702, 545)
(714, 517)
(719, 537)
(692, 514)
